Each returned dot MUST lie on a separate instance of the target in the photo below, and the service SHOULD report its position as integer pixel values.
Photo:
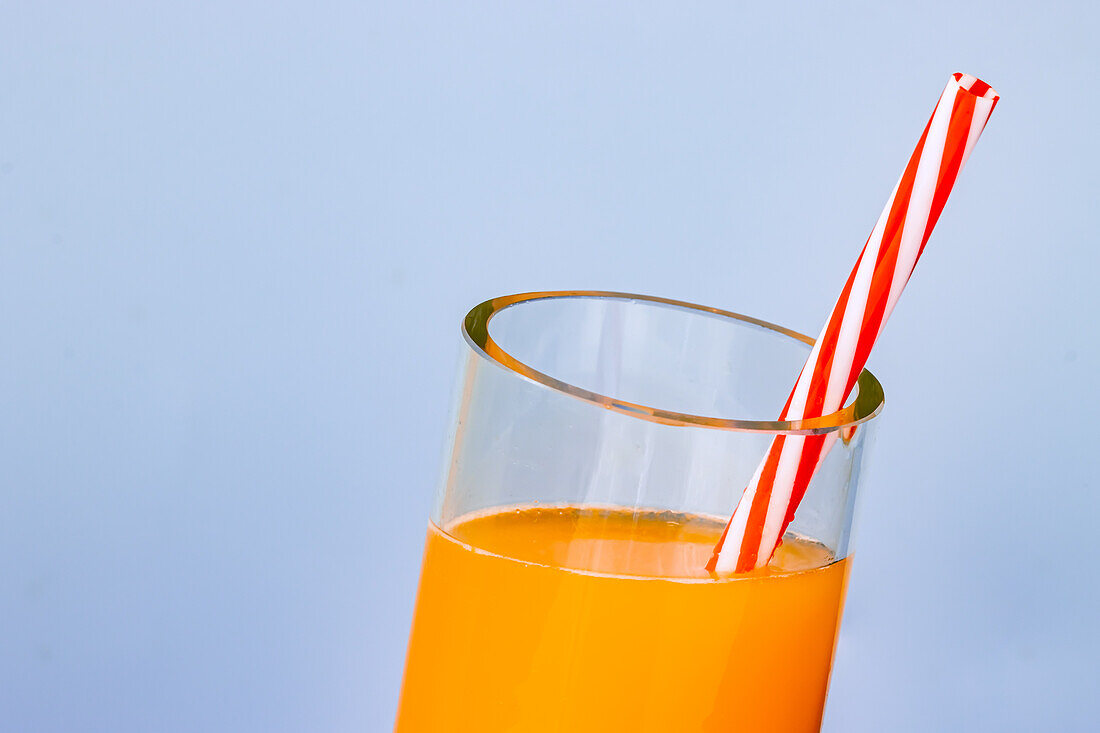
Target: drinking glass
(600, 441)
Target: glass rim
(867, 404)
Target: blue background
(238, 238)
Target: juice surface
(566, 619)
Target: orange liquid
(566, 619)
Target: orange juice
(564, 619)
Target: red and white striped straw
(881, 272)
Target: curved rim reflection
(867, 404)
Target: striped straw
(840, 352)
